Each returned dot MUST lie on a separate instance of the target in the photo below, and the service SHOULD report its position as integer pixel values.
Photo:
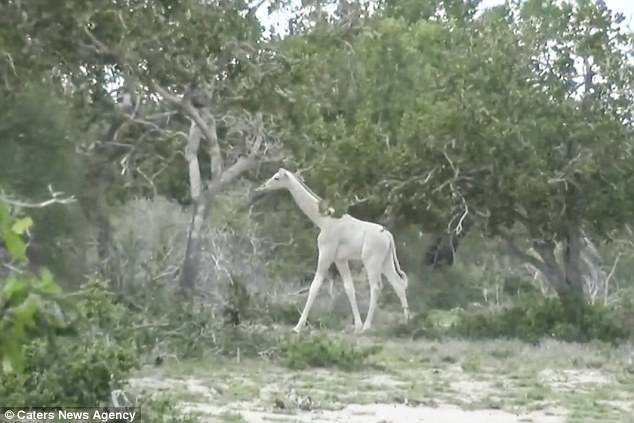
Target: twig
(143, 326)
(11, 63)
(459, 228)
(300, 291)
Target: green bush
(79, 367)
(321, 351)
(424, 324)
(282, 313)
(78, 371)
(573, 320)
(163, 410)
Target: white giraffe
(340, 240)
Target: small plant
(282, 313)
(321, 351)
(163, 410)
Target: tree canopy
(519, 117)
(514, 122)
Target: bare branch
(607, 279)
(458, 229)
(10, 61)
(242, 165)
(299, 172)
(522, 255)
(167, 95)
(56, 198)
(148, 179)
(456, 170)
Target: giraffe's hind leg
(399, 287)
(374, 277)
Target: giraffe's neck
(307, 201)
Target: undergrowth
(575, 321)
(322, 351)
(80, 366)
(529, 319)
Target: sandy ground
(442, 382)
(375, 413)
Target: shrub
(268, 311)
(421, 325)
(78, 371)
(321, 351)
(574, 320)
(163, 410)
(79, 367)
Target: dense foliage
(515, 119)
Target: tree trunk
(190, 272)
(549, 266)
(572, 288)
(572, 296)
(565, 278)
(441, 252)
(203, 128)
(104, 238)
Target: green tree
(517, 122)
(191, 76)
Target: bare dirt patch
(373, 413)
(570, 379)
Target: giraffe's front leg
(312, 293)
(348, 285)
(320, 275)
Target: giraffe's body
(340, 240)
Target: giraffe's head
(278, 181)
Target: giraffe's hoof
(297, 329)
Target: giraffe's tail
(395, 263)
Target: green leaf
(25, 312)
(22, 225)
(4, 214)
(12, 359)
(15, 245)
(14, 289)
(47, 284)
(7, 366)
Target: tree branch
(242, 165)
(56, 198)
(524, 256)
